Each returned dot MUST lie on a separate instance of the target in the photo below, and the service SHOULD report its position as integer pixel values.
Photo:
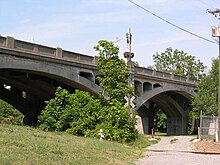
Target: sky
(78, 25)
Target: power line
(187, 31)
(205, 3)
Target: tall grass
(21, 145)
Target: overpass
(30, 73)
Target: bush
(49, 119)
(81, 114)
(117, 123)
(9, 115)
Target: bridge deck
(41, 51)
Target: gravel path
(176, 150)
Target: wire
(205, 3)
(187, 31)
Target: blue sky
(77, 25)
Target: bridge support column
(145, 122)
(139, 125)
(138, 88)
(31, 118)
(185, 124)
(176, 126)
(147, 118)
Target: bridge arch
(184, 91)
(172, 100)
(40, 63)
(39, 79)
(64, 73)
(157, 85)
(147, 86)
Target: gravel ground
(176, 150)
(207, 146)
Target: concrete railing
(164, 75)
(11, 43)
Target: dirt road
(176, 150)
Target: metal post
(200, 127)
(129, 62)
(129, 66)
(128, 55)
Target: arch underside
(31, 82)
(176, 105)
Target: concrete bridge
(30, 73)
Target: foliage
(160, 120)
(74, 113)
(50, 115)
(116, 123)
(192, 129)
(207, 98)
(9, 114)
(81, 114)
(178, 62)
(114, 73)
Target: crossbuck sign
(131, 101)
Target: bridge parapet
(41, 50)
(11, 43)
(163, 75)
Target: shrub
(9, 115)
(81, 114)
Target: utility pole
(216, 33)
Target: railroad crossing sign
(129, 100)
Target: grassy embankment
(21, 145)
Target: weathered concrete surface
(177, 153)
(37, 70)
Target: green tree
(9, 114)
(114, 72)
(74, 113)
(178, 62)
(160, 120)
(49, 119)
(81, 114)
(207, 98)
(117, 124)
